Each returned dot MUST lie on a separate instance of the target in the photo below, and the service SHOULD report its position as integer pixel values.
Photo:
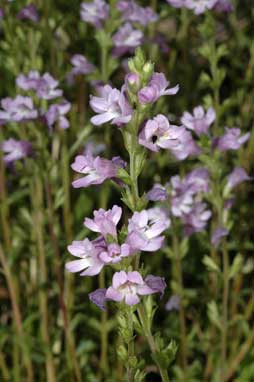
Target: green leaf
(210, 264)
(213, 314)
(236, 266)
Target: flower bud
(133, 82)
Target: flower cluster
(185, 199)
(201, 6)
(143, 234)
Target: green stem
(131, 347)
(73, 363)
(16, 313)
(224, 312)
(151, 342)
(37, 199)
(179, 279)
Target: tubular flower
(95, 169)
(112, 105)
(129, 286)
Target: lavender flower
(114, 252)
(196, 219)
(17, 109)
(29, 82)
(94, 12)
(126, 39)
(199, 121)
(177, 3)
(132, 12)
(158, 133)
(156, 88)
(105, 222)
(145, 228)
(45, 86)
(29, 13)
(173, 303)
(112, 105)
(231, 140)
(89, 263)
(217, 235)
(15, 150)
(56, 113)
(128, 287)
(81, 66)
(183, 191)
(157, 284)
(97, 169)
(1, 14)
(98, 297)
(157, 193)
(224, 6)
(200, 6)
(237, 176)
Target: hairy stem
(151, 342)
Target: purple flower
(145, 228)
(157, 284)
(81, 66)
(128, 287)
(173, 303)
(237, 176)
(1, 14)
(183, 191)
(105, 222)
(157, 193)
(112, 105)
(29, 82)
(28, 13)
(199, 121)
(196, 219)
(126, 39)
(177, 3)
(94, 12)
(15, 149)
(158, 133)
(98, 297)
(56, 113)
(45, 86)
(224, 6)
(156, 88)
(200, 6)
(97, 169)
(17, 109)
(231, 140)
(89, 263)
(132, 12)
(217, 235)
(114, 252)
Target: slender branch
(224, 312)
(37, 200)
(57, 260)
(16, 313)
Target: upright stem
(16, 313)
(57, 260)
(151, 342)
(179, 276)
(224, 312)
(131, 347)
(37, 198)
